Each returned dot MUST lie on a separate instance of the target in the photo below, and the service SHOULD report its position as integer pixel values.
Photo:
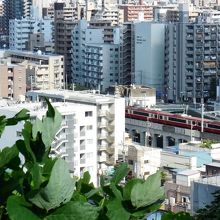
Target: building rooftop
(213, 180)
(86, 96)
(213, 164)
(188, 172)
(32, 54)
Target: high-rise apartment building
(95, 55)
(64, 21)
(191, 61)
(147, 56)
(20, 31)
(125, 76)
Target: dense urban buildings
(150, 75)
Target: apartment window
(88, 114)
(89, 127)
(89, 141)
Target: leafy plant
(207, 143)
(40, 187)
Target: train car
(182, 121)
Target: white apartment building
(148, 54)
(75, 141)
(95, 55)
(113, 14)
(42, 71)
(109, 121)
(19, 31)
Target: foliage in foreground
(39, 187)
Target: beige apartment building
(42, 71)
(13, 81)
(134, 12)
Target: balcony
(109, 150)
(106, 114)
(106, 159)
(106, 137)
(58, 142)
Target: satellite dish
(39, 52)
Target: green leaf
(92, 193)
(3, 122)
(116, 211)
(59, 189)
(120, 173)
(102, 181)
(37, 127)
(75, 210)
(129, 186)
(20, 116)
(116, 191)
(176, 216)
(8, 154)
(27, 134)
(147, 193)
(36, 172)
(18, 209)
(50, 125)
(140, 213)
(86, 178)
(78, 197)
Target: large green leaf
(26, 150)
(8, 154)
(75, 210)
(59, 189)
(116, 211)
(147, 193)
(37, 127)
(129, 186)
(120, 173)
(18, 209)
(116, 191)
(20, 116)
(36, 172)
(50, 125)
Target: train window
(160, 117)
(177, 120)
(155, 116)
(214, 126)
(140, 113)
(199, 123)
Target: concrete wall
(177, 161)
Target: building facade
(20, 31)
(108, 121)
(95, 55)
(42, 71)
(191, 61)
(148, 55)
(13, 81)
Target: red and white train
(165, 118)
